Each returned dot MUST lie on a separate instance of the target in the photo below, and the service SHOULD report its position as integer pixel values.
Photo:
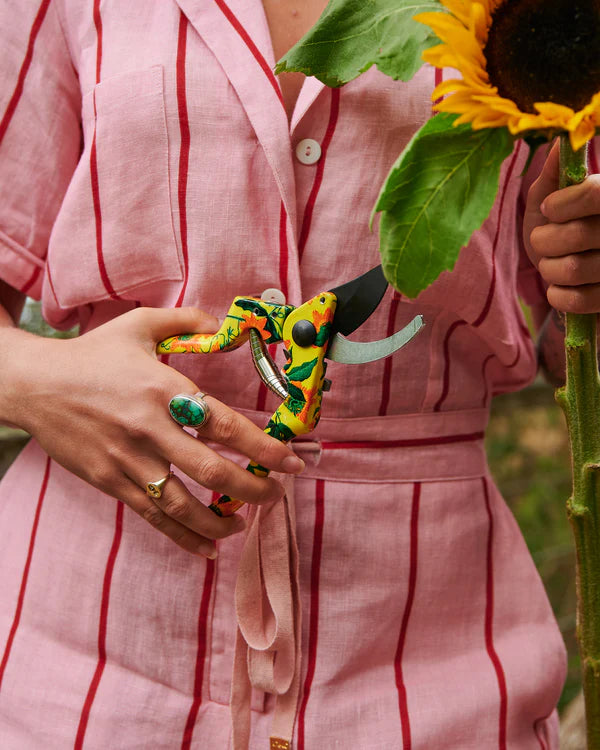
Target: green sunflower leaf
(352, 35)
(440, 190)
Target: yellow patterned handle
(245, 313)
(305, 336)
(305, 331)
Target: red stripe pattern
(284, 252)
(224, 8)
(31, 281)
(207, 588)
(488, 302)
(388, 361)
(314, 606)
(489, 624)
(94, 165)
(405, 443)
(25, 576)
(334, 111)
(184, 152)
(486, 391)
(593, 159)
(18, 91)
(438, 78)
(261, 400)
(102, 628)
(412, 583)
(446, 349)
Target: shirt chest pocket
(114, 233)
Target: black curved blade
(357, 300)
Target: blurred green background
(528, 452)
(529, 458)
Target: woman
(151, 160)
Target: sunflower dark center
(545, 51)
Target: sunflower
(529, 65)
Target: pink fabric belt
(434, 446)
(398, 448)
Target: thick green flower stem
(580, 401)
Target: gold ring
(155, 489)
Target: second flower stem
(580, 401)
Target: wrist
(22, 363)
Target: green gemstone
(187, 411)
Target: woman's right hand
(98, 404)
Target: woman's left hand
(561, 230)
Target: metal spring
(266, 368)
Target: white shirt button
(308, 151)
(275, 296)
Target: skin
(107, 421)
(561, 230)
(288, 21)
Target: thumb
(546, 183)
(155, 324)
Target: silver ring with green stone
(189, 411)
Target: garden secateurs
(310, 333)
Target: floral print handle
(304, 331)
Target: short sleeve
(40, 135)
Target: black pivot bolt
(304, 333)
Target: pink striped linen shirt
(146, 158)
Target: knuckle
(181, 538)
(567, 299)
(138, 316)
(221, 528)
(154, 516)
(227, 427)
(136, 428)
(154, 391)
(537, 240)
(592, 185)
(103, 478)
(211, 472)
(576, 235)
(178, 508)
(572, 269)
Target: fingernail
(211, 555)
(292, 465)
(543, 208)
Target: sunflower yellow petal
(479, 22)
(489, 119)
(584, 133)
(463, 29)
(551, 110)
(519, 123)
(506, 106)
(441, 23)
(447, 86)
(458, 9)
